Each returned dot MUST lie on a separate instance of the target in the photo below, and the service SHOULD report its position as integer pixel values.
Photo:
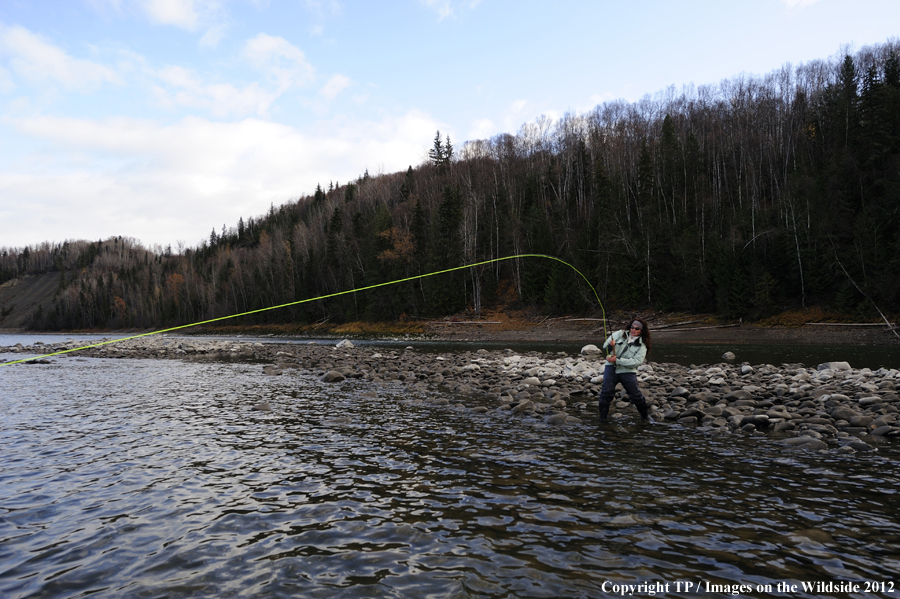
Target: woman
(626, 351)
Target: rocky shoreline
(831, 407)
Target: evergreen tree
(448, 150)
(446, 292)
(334, 228)
(406, 186)
(848, 91)
(436, 153)
(441, 152)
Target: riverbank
(576, 330)
(828, 407)
(521, 328)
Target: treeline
(743, 199)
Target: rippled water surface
(147, 478)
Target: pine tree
(334, 228)
(406, 186)
(848, 89)
(436, 153)
(448, 151)
(441, 152)
(446, 292)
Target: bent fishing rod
(321, 297)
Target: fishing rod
(313, 299)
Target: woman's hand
(611, 359)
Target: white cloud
(282, 61)
(191, 15)
(161, 184)
(597, 99)
(178, 86)
(334, 86)
(6, 81)
(181, 13)
(283, 65)
(482, 129)
(515, 115)
(35, 59)
(27, 57)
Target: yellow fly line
(313, 299)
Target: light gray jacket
(628, 355)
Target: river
(859, 356)
(155, 478)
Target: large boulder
(558, 418)
(525, 406)
(738, 395)
(758, 420)
(834, 366)
(805, 443)
(843, 413)
(332, 376)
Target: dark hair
(645, 332)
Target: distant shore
(737, 335)
(565, 330)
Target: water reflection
(685, 354)
(157, 479)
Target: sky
(160, 120)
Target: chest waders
(629, 383)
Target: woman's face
(636, 328)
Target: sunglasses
(636, 328)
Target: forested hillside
(750, 197)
